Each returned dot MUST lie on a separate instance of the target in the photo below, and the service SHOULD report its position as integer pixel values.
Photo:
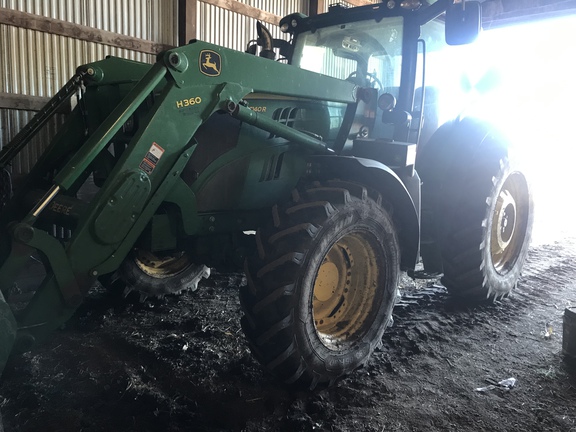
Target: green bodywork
(185, 154)
(170, 104)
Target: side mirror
(463, 22)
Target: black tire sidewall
(503, 283)
(369, 219)
(133, 276)
(463, 169)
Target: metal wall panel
(145, 19)
(36, 63)
(280, 8)
(233, 30)
(39, 64)
(11, 121)
(343, 2)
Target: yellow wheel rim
(509, 223)
(345, 290)
(161, 266)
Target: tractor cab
(382, 48)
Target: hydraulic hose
(23, 137)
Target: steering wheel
(371, 78)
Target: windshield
(367, 52)
(445, 70)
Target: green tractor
(319, 163)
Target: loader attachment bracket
(52, 252)
(7, 332)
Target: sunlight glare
(532, 101)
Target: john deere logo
(210, 63)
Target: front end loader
(161, 169)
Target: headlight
(411, 4)
(386, 102)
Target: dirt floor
(182, 364)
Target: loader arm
(183, 88)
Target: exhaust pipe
(266, 41)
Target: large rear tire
(485, 251)
(322, 288)
(480, 212)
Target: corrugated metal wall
(11, 121)
(343, 2)
(38, 64)
(232, 30)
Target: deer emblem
(209, 66)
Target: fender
(376, 175)
(453, 139)
(439, 163)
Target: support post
(187, 12)
(316, 7)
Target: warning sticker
(146, 167)
(151, 159)
(156, 150)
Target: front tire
(321, 290)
